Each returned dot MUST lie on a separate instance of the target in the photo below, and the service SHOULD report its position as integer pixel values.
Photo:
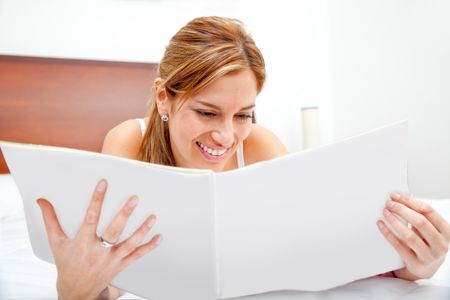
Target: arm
(422, 256)
(124, 140)
(84, 266)
(262, 145)
(424, 246)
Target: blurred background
(335, 68)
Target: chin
(218, 168)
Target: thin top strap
(142, 125)
(240, 155)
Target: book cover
(305, 221)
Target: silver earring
(165, 118)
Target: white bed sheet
(23, 276)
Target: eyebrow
(218, 108)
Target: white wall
(364, 63)
(292, 36)
(391, 61)
(112, 30)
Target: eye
(244, 117)
(206, 114)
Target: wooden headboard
(69, 103)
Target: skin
(219, 117)
(221, 127)
(84, 267)
(424, 247)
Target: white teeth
(214, 152)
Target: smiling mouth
(212, 153)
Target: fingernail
(386, 212)
(101, 186)
(389, 203)
(39, 201)
(395, 196)
(159, 239)
(380, 224)
(425, 207)
(133, 201)
(151, 221)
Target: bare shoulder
(123, 140)
(262, 144)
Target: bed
(73, 104)
(23, 276)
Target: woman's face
(208, 127)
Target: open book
(305, 221)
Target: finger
(419, 222)
(54, 231)
(130, 244)
(115, 229)
(425, 209)
(418, 233)
(142, 250)
(407, 236)
(89, 226)
(405, 252)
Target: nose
(224, 135)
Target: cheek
(187, 130)
(244, 132)
(197, 128)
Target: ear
(162, 100)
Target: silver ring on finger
(105, 244)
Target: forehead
(234, 90)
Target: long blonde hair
(200, 52)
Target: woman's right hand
(85, 268)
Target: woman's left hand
(423, 247)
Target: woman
(201, 117)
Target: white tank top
(239, 150)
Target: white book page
(307, 221)
(181, 267)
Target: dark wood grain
(69, 103)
